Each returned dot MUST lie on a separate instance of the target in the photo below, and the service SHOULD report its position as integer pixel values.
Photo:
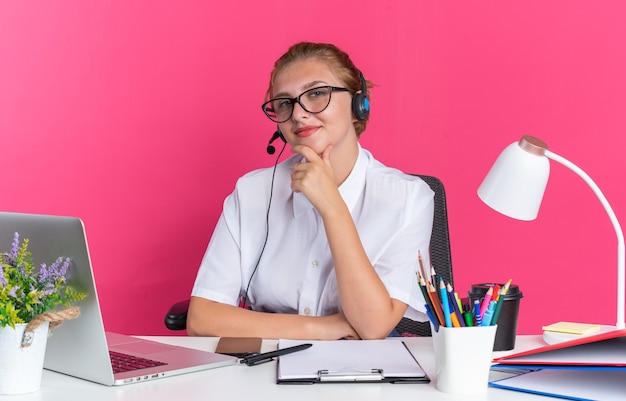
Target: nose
(299, 111)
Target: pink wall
(138, 116)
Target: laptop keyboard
(126, 363)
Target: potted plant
(33, 300)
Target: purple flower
(55, 272)
(44, 273)
(16, 245)
(49, 290)
(3, 280)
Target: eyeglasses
(313, 101)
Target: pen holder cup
(507, 319)
(463, 358)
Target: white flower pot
(21, 367)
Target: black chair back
(440, 256)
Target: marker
(488, 314)
(469, 319)
(485, 304)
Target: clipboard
(349, 361)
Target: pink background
(138, 116)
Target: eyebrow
(306, 87)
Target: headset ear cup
(360, 106)
(360, 102)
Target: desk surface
(240, 382)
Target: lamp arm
(621, 278)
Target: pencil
(496, 293)
(445, 304)
(433, 275)
(421, 262)
(434, 298)
(455, 305)
(503, 292)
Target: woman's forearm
(364, 298)
(209, 318)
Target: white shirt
(392, 211)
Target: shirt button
(307, 311)
(315, 263)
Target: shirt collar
(350, 189)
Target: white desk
(241, 382)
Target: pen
(477, 312)
(268, 356)
(432, 317)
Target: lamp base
(554, 337)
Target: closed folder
(604, 349)
(349, 361)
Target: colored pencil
(436, 302)
(445, 304)
(503, 292)
(455, 305)
(429, 303)
(421, 262)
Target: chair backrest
(440, 256)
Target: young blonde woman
(325, 245)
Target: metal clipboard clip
(350, 375)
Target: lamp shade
(517, 180)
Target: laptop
(81, 347)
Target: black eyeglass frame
(294, 100)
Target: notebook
(81, 347)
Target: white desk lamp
(515, 185)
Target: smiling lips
(305, 132)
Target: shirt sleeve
(219, 275)
(402, 213)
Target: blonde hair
(337, 60)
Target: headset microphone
(270, 148)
